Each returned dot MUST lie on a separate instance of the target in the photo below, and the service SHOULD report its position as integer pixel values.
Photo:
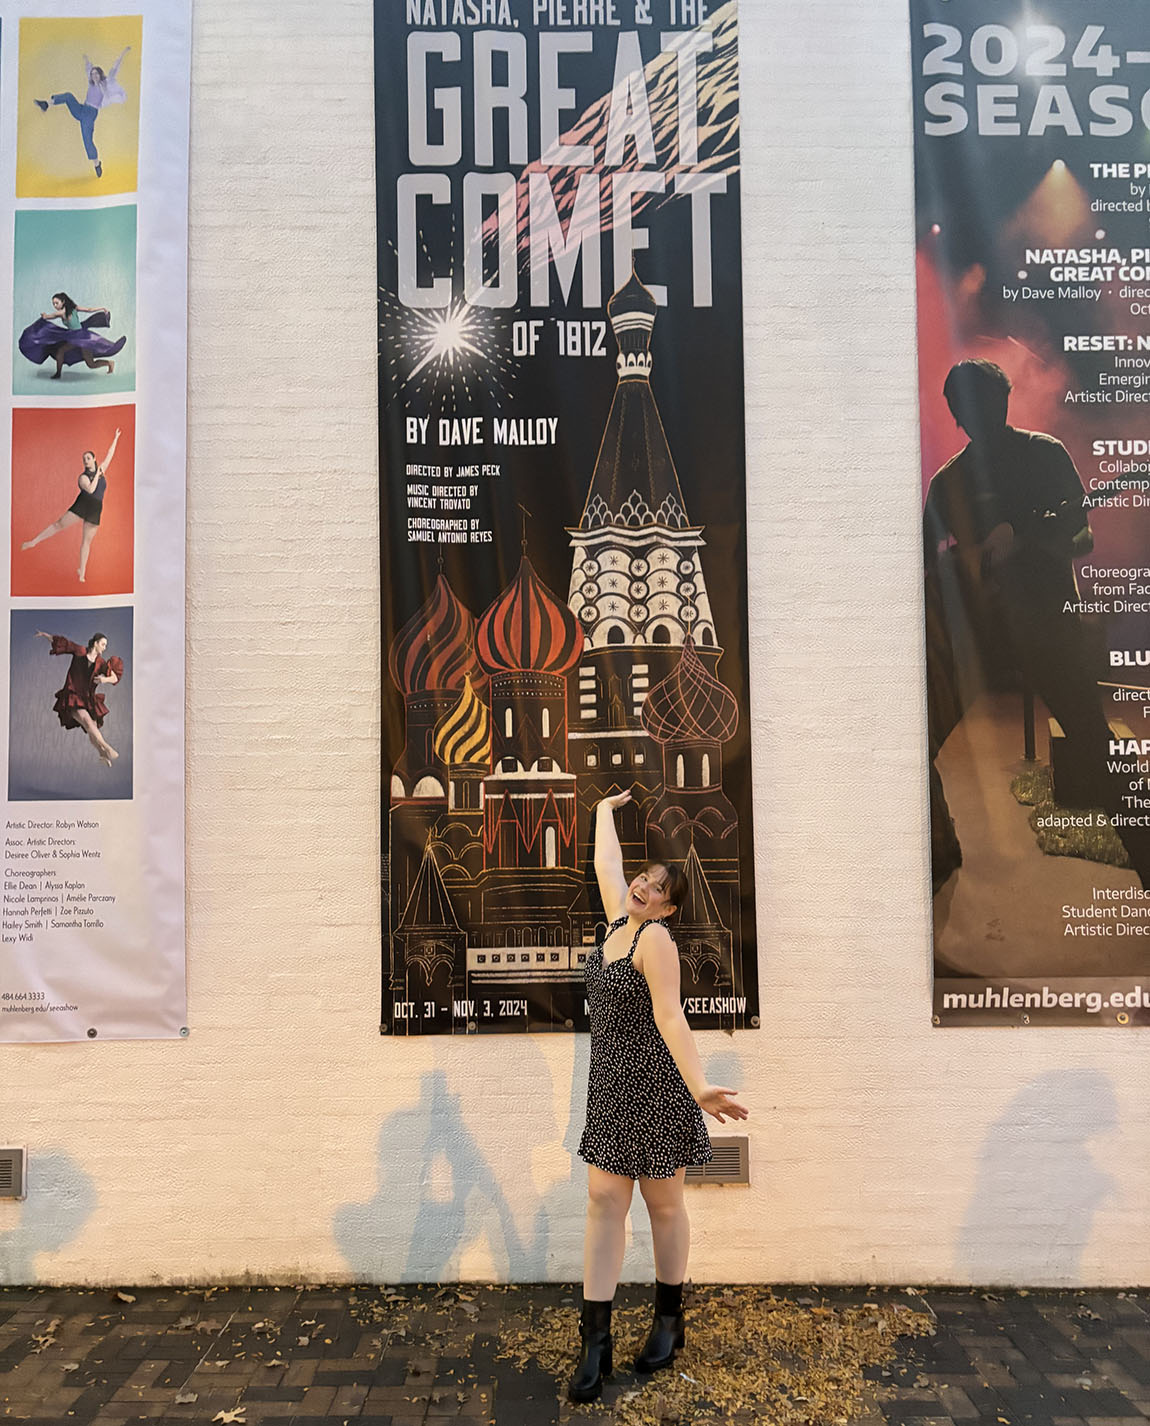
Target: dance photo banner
(94, 108)
(1032, 154)
(562, 498)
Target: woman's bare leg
(94, 362)
(670, 1226)
(605, 1235)
(108, 754)
(68, 518)
(87, 536)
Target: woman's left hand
(720, 1103)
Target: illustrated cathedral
(517, 723)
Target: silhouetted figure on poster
(1003, 523)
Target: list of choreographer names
(52, 881)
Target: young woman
(103, 89)
(645, 1093)
(62, 335)
(80, 704)
(87, 507)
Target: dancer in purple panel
(80, 703)
(103, 89)
(62, 335)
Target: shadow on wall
(1039, 1187)
(61, 1199)
(440, 1194)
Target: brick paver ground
(291, 1357)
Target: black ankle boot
(595, 1359)
(666, 1335)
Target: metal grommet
(92, 1034)
(569, 1024)
(472, 1027)
(383, 1028)
(184, 1032)
(1122, 1018)
(1024, 1019)
(936, 1019)
(755, 1021)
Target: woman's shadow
(435, 1181)
(61, 1199)
(1039, 1187)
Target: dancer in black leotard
(645, 1091)
(87, 507)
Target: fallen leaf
(70, 1367)
(185, 1398)
(226, 1416)
(125, 1297)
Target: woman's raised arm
(111, 451)
(609, 857)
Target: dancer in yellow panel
(103, 89)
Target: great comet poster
(1032, 149)
(562, 497)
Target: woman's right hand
(40, 634)
(619, 800)
(720, 1103)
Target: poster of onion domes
(562, 499)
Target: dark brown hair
(676, 884)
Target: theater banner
(562, 498)
(93, 261)
(1032, 159)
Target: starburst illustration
(454, 357)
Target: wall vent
(12, 1163)
(731, 1164)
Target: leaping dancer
(103, 89)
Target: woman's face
(57, 304)
(99, 646)
(647, 897)
(89, 461)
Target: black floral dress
(641, 1119)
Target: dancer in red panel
(80, 703)
(645, 1091)
(87, 507)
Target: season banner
(93, 244)
(1032, 149)
(562, 499)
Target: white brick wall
(285, 1140)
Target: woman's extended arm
(116, 67)
(609, 857)
(111, 452)
(658, 958)
(52, 316)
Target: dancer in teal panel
(103, 89)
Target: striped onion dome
(527, 628)
(464, 734)
(436, 647)
(689, 705)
